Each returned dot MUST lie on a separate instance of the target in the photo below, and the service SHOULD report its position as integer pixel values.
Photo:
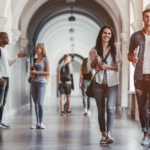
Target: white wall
(18, 95)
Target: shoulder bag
(89, 91)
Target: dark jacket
(138, 39)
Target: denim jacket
(112, 76)
(138, 39)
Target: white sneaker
(103, 140)
(42, 126)
(37, 126)
(2, 127)
(145, 141)
(89, 112)
(109, 139)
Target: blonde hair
(44, 53)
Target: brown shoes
(103, 140)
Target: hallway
(74, 132)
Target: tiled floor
(74, 132)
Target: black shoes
(69, 112)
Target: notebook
(93, 54)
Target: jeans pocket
(42, 84)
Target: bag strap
(104, 62)
(106, 56)
(0, 52)
(67, 64)
(34, 60)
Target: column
(124, 75)
(118, 104)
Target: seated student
(64, 72)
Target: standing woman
(106, 80)
(40, 76)
(85, 78)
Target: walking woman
(40, 76)
(106, 80)
(84, 82)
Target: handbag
(89, 92)
(34, 60)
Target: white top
(5, 62)
(112, 76)
(146, 61)
(59, 69)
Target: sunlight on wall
(131, 81)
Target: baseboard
(13, 111)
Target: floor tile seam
(132, 136)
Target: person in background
(84, 81)
(5, 62)
(106, 80)
(64, 72)
(40, 75)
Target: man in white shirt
(5, 62)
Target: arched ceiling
(55, 8)
(55, 34)
(50, 25)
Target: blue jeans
(144, 87)
(3, 95)
(100, 91)
(86, 99)
(38, 91)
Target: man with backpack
(64, 72)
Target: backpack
(65, 73)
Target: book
(93, 54)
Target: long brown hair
(84, 68)
(111, 43)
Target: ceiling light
(72, 45)
(71, 30)
(72, 18)
(71, 39)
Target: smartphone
(32, 68)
